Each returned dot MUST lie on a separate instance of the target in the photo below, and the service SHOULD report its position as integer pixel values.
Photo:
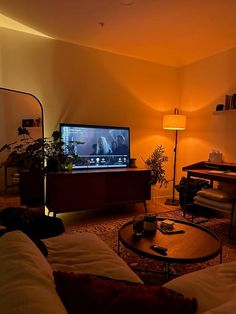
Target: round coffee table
(195, 244)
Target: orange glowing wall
(83, 85)
(203, 86)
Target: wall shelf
(219, 112)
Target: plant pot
(53, 165)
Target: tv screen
(91, 146)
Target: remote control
(159, 249)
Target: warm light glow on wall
(7, 22)
(174, 122)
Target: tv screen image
(96, 146)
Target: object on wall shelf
(29, 123)
(221, 112)
(220, 107)
(177, 123)
(229, 103)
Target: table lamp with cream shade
(175, 122)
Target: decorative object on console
(132, 163)
(215, 156)
(177, 123)
(54, 155)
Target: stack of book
(168, 227)
(230, 101)
(167, 224)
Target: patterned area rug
(108, 230)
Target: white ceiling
(171, 32)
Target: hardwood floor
(98, 215)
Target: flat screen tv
(96, 146)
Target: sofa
(214, 288)
(82, 263)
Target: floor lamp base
(171, 201)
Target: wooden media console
(86, 189)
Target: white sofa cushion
(86, 253)
(26, 279)
(214, 287)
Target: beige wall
(82, 85)
(203, 85)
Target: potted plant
(53, 153)
(155, 163)
(26, 153)
(33, 154)
(34, 158)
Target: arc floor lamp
(175, 122)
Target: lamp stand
(172, 201)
